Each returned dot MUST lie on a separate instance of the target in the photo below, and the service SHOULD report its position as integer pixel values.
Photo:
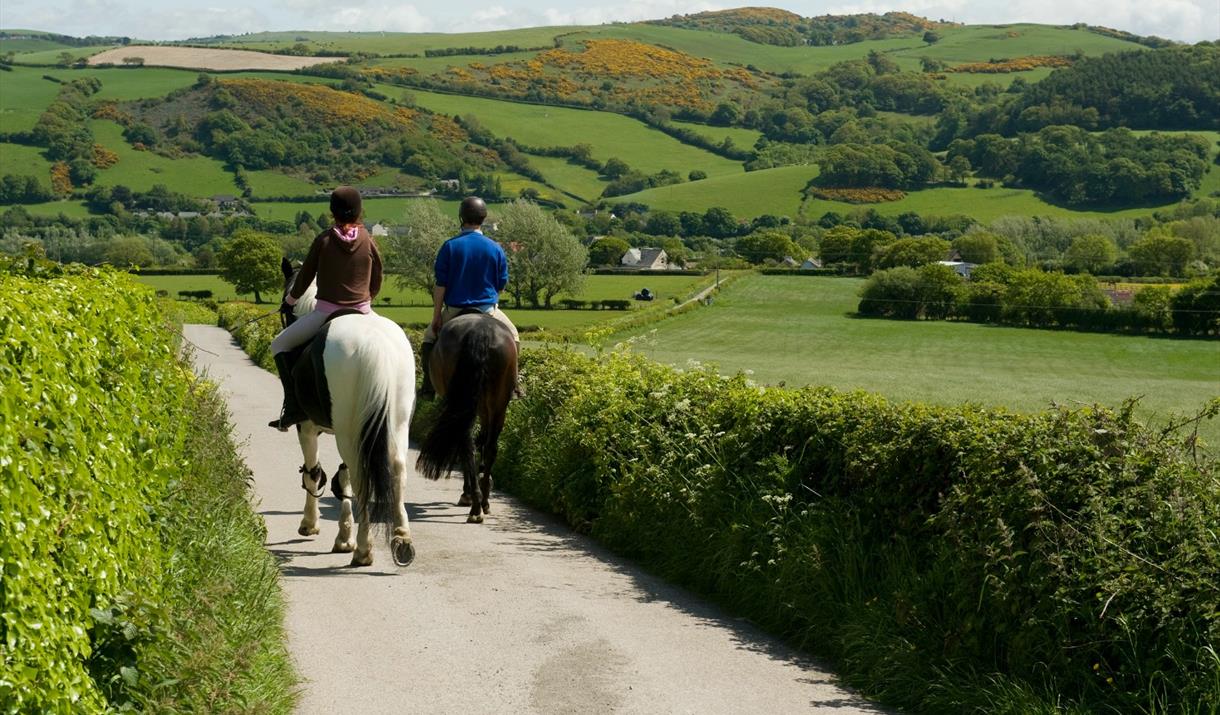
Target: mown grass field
(610, 135)
(798, 330)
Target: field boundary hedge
(134, 573)
(946, 559)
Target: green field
(24, 95)
(742, 138)
(767, 191)
(23, 160)
(141, 170)
(265, 182)
(798, 330)
(610, 135)
(71, 209)
(980, 43)
(778, 191)
(569, 177)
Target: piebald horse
(356, 380)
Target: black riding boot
(426, 390)
(291, 412)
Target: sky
(1184, 20)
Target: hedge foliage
(1034, 298)
(947, 559)
(133, 570)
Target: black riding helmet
(345, 205)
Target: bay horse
(355, 380)
(474, 368)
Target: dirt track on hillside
(206, 59)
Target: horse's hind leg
(312, 479)
(343, 489)
(400, 545)
(470, 474)
(488, 449)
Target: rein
(255, 320)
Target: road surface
(517, 615)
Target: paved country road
(517, 615)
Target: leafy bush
(122, 499)
(947, 559)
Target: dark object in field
(645, 294)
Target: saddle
(309, 373)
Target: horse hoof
(343, 547)
(403, 550)
(464, 501)
(307, 530)
(359, 559)
(474, 519)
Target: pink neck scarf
(349, 235)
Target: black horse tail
(375, 466)
(449, 444)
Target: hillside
(753, 99)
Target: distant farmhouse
(646, 259)
(962, 268)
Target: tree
(931, 37)
(544, 260)
(977, 247)
(762, 245)
(410, 256)
(615, 168)
(129, 252)
(251, 262)
(663, 223)
(912, 252)
(719, 222)
(696, 175)
(1090, 253)
(1160, 254)
(607, 251)
(959, 168)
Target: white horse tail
(370, 371)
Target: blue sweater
(473, 269)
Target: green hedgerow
(947, 558)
